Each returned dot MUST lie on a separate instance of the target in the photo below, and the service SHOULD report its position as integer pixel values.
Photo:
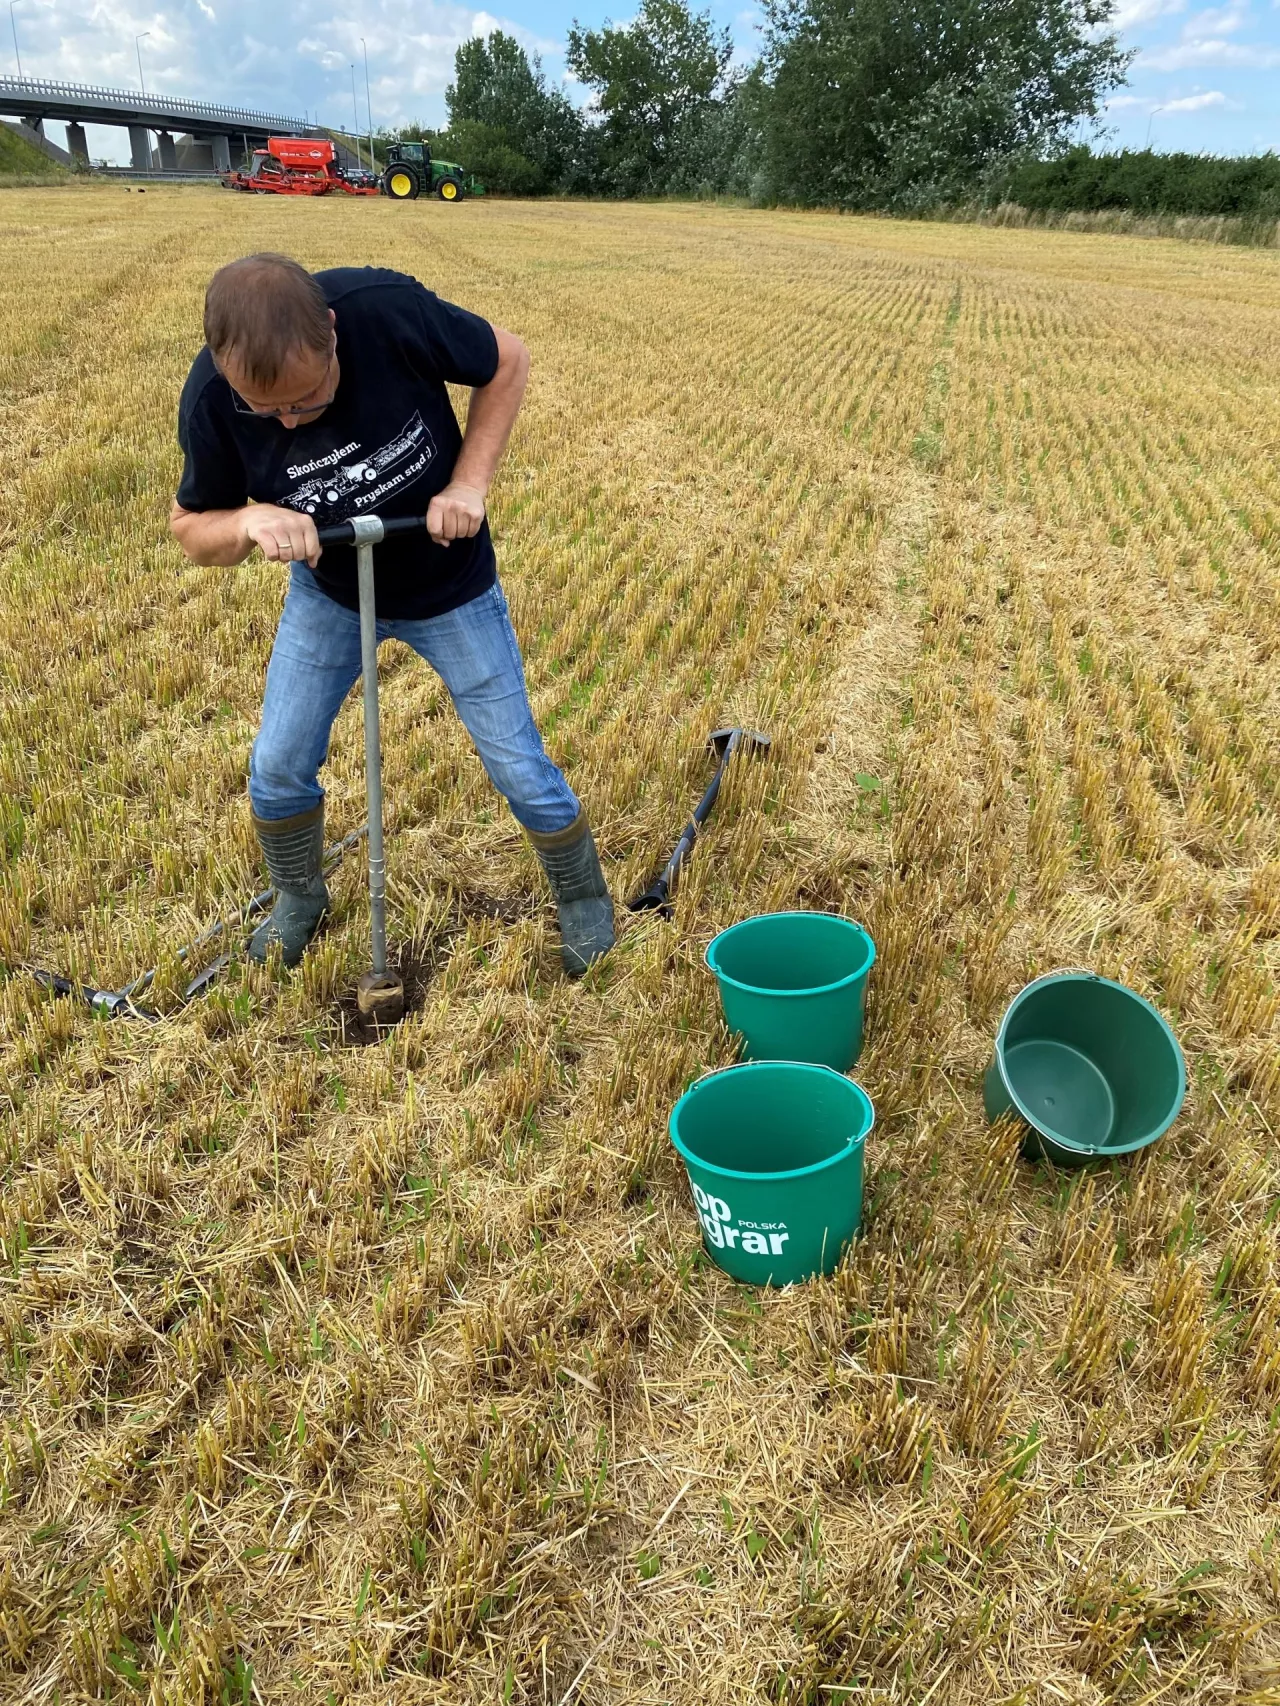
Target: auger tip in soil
(380, 998)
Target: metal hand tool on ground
(123, 1003)
(660, 895)
(380, 992)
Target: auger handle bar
(370, 529)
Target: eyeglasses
(308, 405)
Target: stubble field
(396, 1373)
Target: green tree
(721, 154)
(501, 104)
(656, 82)
(900, 103)
(484, 150)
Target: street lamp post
(14, 28)
(137, 48)
(1150, 116)
(368, 104)
(356, 112)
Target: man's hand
(455, 513)
(225, 536)
(282, 535)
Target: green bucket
(794, 986)
(773, 1150)
(1092, 1068)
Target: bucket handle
(1054, 971)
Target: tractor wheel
(400, 183)
(450, 189)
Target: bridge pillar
(168, 151)
(140, 147)
(195, 153)
(36, 124)
(221, 153)
(77, 143)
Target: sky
(1203, 79)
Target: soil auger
(380, 992)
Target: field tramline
(397, 1373)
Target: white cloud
(484, 24)
(324, 55)
(1131, 13)
(1198, 103)
(1215, 21)
(1212, 52)
(1204, 42)
(291, 58)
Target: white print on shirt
(297, 468)
(759, 1238)
(348, 487)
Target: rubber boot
(583, 903)
(294, 850)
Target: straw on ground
(397, 1374)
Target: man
(322, 397)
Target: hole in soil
(415, 969)
(637, 1191)
(830, 889)
(418, 962)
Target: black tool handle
(703, 808)
(671, 870)
(700, 814)
(344, 533)
(660, 896)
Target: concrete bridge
(190, 135)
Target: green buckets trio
(774, 1145)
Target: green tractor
(411, 170)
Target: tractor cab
(411, 170)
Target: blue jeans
(316, 661)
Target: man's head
(270, 331)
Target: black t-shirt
(385, 445)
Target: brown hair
(259, 310)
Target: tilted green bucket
(774, 1150)
(1091, 1066)
(794, 986)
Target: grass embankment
(22, 163)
